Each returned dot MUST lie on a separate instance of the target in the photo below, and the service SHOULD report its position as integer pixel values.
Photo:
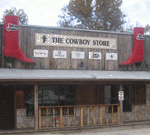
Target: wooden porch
(83, 121)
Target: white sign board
(40, 53)
(94, 55)
(121, 95)
(111, 56)
(59, 54)
(75, 41)
(77, 55)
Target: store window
(111, 96)
(29, 101)
(127, 104)
(138, 94)
(56, 95)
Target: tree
(147, 29)
(23, 18)
(130, 28)
(92, 14)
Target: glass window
(55, 95)
(139, 94)
(61, 95)
(111, 96)
(29, 101)
(127, 105)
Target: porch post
(36, 107)
(121, 107)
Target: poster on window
(94, 55)
(77, 55)
(111, 56)
(59, 54)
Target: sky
(45, 12)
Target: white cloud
(137, 11)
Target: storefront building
(50, 73)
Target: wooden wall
(27, 45)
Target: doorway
(6, 107)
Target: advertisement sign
(77, 55)
(40, 53)
(74, 41)
(111, 56)
(94, 55)
(59, 54)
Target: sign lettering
(74, 41)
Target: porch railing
(84, 109)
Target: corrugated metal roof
(35, 74)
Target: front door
(6, 107)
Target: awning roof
(47, 75)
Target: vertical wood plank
(81, 116)
(94, 115)
(53, 117)
(88, 113)
(36, 107)
(107, 114)
(112, 109)
(61, 120)
(68, 116)
(100, 115)
(74, 116)
(39, 118)
(47, 117)
(118, 109)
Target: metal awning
(47, 75)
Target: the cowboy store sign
(74, 41)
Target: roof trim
(71, 75)
(74, 29)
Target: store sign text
(76, 41)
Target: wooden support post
(47, 117)
(36, 107)
(74, 116)
(81, 116)
(118, 109)
(15, 108)
(112, 110)
(39, 118)
(53, 117)
(88, 113)
(68, 115)
(100, 115)
(121, 107)
(94, 115)
(61, 119)
(107, 114)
